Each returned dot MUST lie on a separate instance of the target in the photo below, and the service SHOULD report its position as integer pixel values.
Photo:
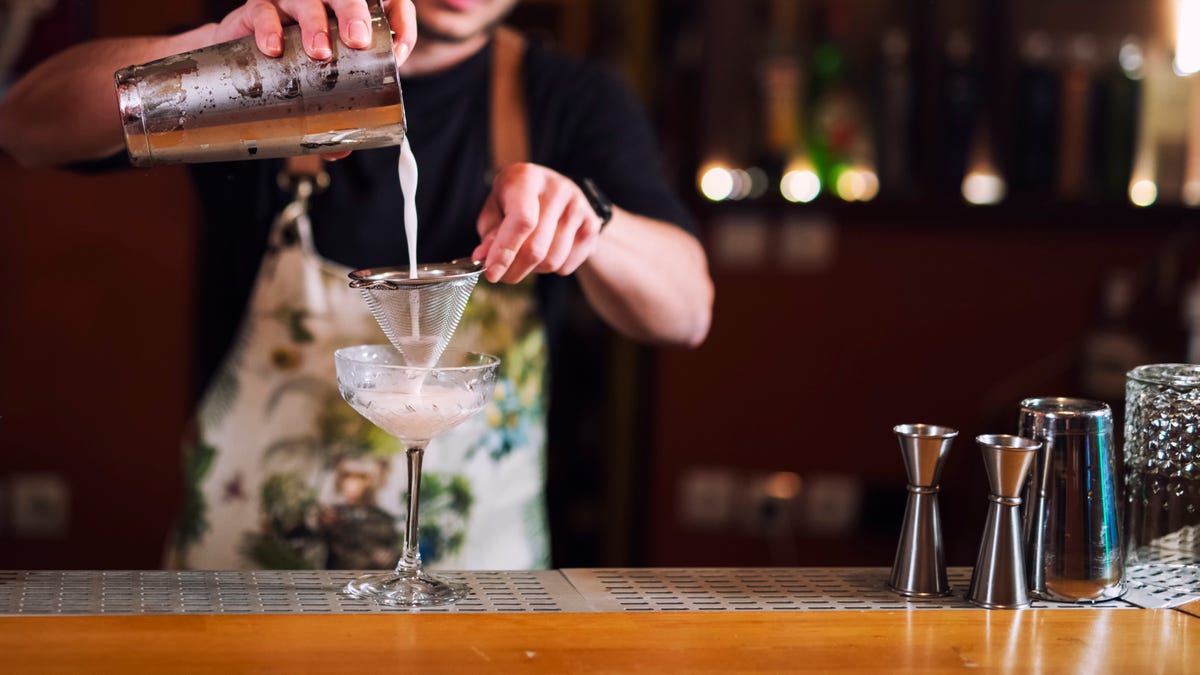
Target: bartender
(280, 472)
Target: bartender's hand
(535, 220)
(264, 20)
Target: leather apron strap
(510, 117)
(305, 165)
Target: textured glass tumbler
(1162, 473)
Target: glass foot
(406, 589)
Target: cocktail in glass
(414, 404)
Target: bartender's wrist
(600, 203)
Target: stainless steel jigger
(998, 581)
(920, 567)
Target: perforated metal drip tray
(261, 592)
(766, 589)
(575, 590)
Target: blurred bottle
(1034, 156)
(835, 127)
(961, 93)
(1161, 149)
(781, 79)
(897, 103)
(1073, 136)
(1115, 101)
(1191, 176)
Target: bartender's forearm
(65, 109)
(649, 280)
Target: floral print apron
(284, 474)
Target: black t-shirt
(582, 123)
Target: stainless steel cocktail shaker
(230, 101)
(1072, 528)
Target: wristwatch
(601, 204)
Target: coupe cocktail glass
(414, 404)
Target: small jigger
(920, 567)
(998, 581)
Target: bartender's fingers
(489, 219)
(564, 236)
(354, 22)
(242, 22)
(263, 20)
(521, 210)
(585, 242)
(481, 251)
(314, 26)
(491, 216)
(538, 243)
(402, 16)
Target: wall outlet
(707, 498)
(740, 242)
(771, 504)
(806, 245)
(830, 504)
(39, 505)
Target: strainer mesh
(420, 320)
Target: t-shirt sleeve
(607, 137)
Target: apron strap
(300, 168)
(304, 175)
(509, 116)
(509, 123)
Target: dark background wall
(95, 326)
(807, 372)
(770, 444)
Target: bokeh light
(800, 185)
(1143, 192)
(983, 188)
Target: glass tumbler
(1162, 471)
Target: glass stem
(410, 561)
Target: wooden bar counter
(923, 639)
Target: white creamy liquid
(407, 169)
(419, 415)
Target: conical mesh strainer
(419, 314)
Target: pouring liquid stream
(407, 170)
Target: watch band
(601, 204)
